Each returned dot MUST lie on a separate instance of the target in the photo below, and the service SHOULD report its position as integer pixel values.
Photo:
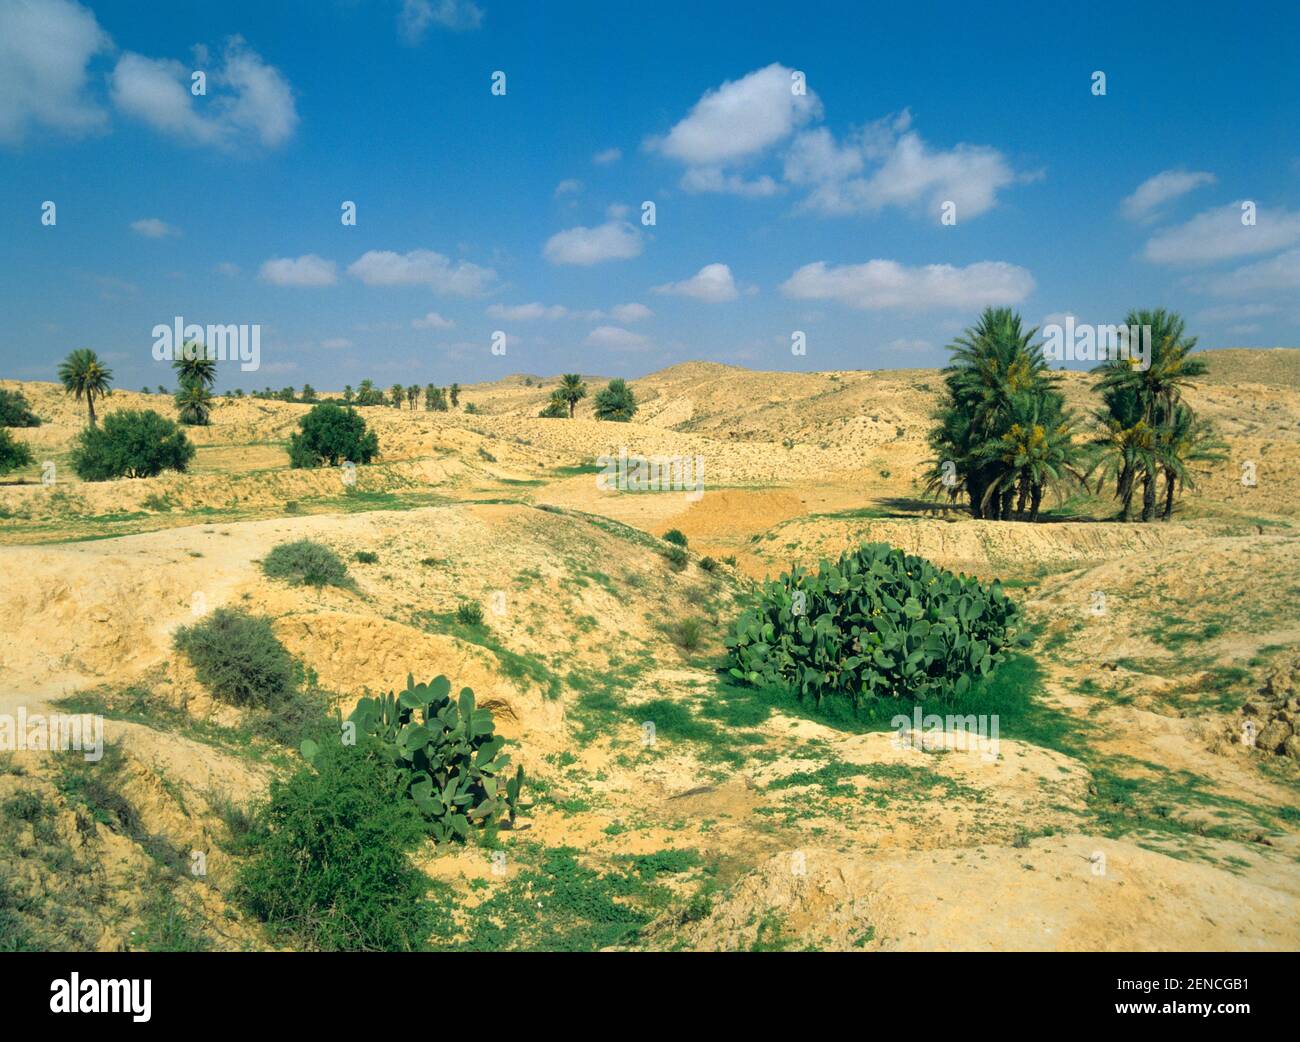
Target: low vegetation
(131, 444)
(305, 562)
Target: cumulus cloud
(569, 186)
(615, 338)
(307, 270)
(421, 268)
(712, 284)
(905, 172)
(432, 320)
(631, 312)
(613, 240)
(247, 99)
(607, 156)
(1164, 187)
(881, 284)
(1218, 234)
(417, 16)
(45, 46)
(1277, 274)
(153, 228)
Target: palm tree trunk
(573, 404)
(90, 404)
(1169, 495)
(1148, 494)
(1006, 504)
(975, 489)
(1035, 501)
(1024, 494)
(1125, 492)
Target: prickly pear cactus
(878, 623)
(444, 755)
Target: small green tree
(194, 404)
(131, 444)
(571, 390)
(13, 453)
(616, 402)
(330, 434)
(83, 375)
(412, 393)
(556, 409)
(397, 395)
(308, 393)
(193, 364)
(14, 410)
(454, 395)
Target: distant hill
(1277, 366)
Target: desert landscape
(1123, 809)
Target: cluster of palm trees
(1004, 437)
(615, 402)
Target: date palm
(83, 375)
(193, 365)
(1182, 442)
(194, 403)
(572, 389)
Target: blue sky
(776, 211)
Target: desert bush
(469, 613)
(13, 453)
(877, 624)
(367, 557)
(329, 866)
(14, 410)
(686, 634)
(449, 762)
(674, 535)
(330, 434)
(306, 562)
(676, 557)
(131, 444)
(615, 402)
(708, 564)
(239, 659)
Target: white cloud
(527, 312)
(1162, 188)
(1218, 234)
(228, 269)
(712, 284)
(613, 240)
(712, 179)
(880, 284)
(569, 186)
(907, 172)
(308, 270)
(421, 268)
(1277, 274)
(609, 155)
(631, 312)
(615, 338)
(1235, 312)
(432, 320)
(337, 343)
(247, 99)
(45, 46)
(153, 228)
(416, 16)
(739, 119)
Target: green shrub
(239, 659)
(708, 564)
(674, 535)
(615, 402)
(131, 444)
(876, 624)
(686, 634)
(329, 866)
(14, 410)
(676, 557)
(306, 562)
(470, 613)
(449, 762)
(330, 434)
(13, 453)
(367, 557)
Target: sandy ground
(909, 849)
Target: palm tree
(1181, 442)
(453, 394)
(1034, 455)
(308, 393)
(194, 403)
(84, 375)
(347, 393)
(398, 393)
(1122, 448)
(615, 402)
(194, 365)
(572, 389)
(412, 393)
